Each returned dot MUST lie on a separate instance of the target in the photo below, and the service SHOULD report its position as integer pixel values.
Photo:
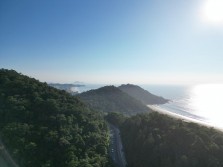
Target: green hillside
(142, 95)
(112, 99)
(160, 141)
(45, 127)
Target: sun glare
(207, 101)
(213, 11)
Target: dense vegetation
(160, 141)
(111, 99)
(116, 119)
(45, 127)
(142, 95)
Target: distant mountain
(112, 99)
(67, 85)
(142, 95)
(78, 83)
(70, 88)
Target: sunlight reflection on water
(206, 101)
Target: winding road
(116, 148)
(6, 159)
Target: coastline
(181, 117)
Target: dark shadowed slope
(142, 95)
(112, 99)
(157, 140)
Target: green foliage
(111, 99)
(160, 141)
(142, 95)
(45, 127)
(116, 119)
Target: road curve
(116, 148)
(6, 156)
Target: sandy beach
(178, 116)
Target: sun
(213, 11)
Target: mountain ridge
(142, 95)
(112, 99)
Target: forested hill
(45, 127)
(160, 141)
(142, 95)
(112, 99)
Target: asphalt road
(5, 157)
(116, 148)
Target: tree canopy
(45, 127)
(142, 95)
(112, 99)
(160, 141)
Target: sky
(113, 42)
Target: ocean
(201, 103)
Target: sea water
(203, 102)
(87, 87)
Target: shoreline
(181, 117)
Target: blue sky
(111, 42)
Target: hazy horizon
(114, 42)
